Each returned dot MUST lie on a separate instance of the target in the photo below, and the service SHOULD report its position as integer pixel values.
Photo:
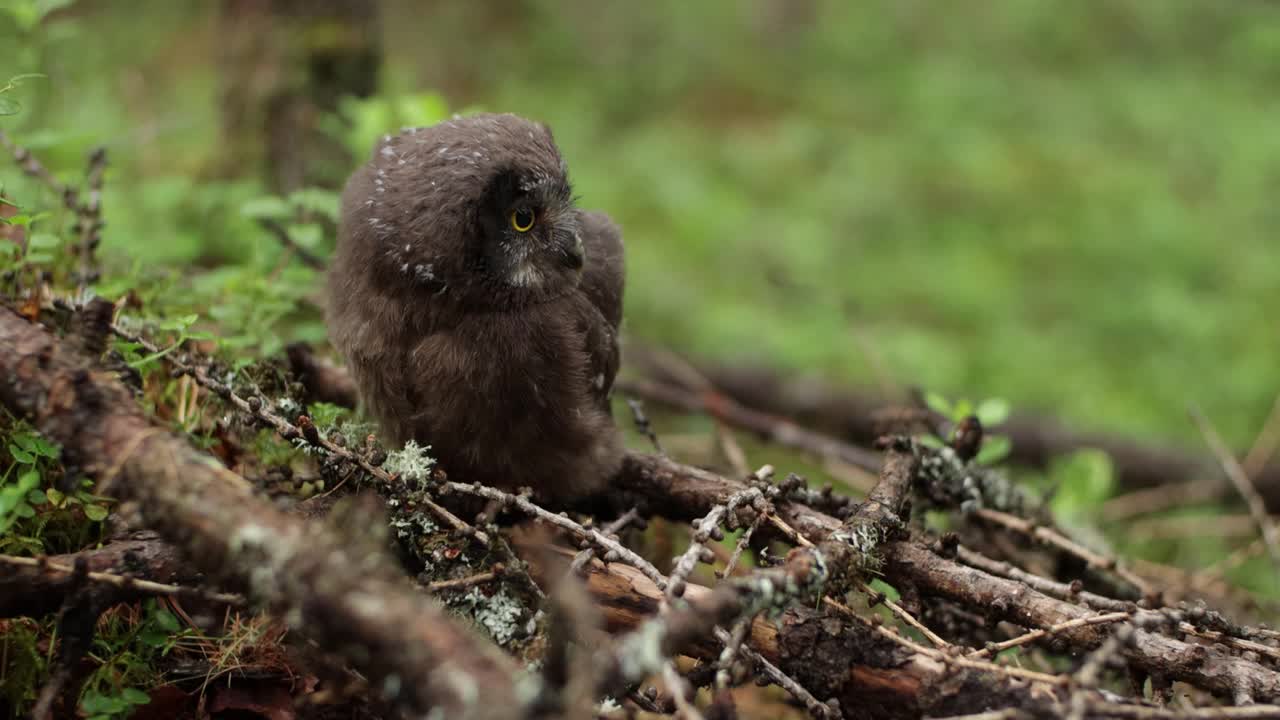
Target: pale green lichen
(355, 432)
(287, 406)
(411, 462)
(498, 614)
(415, 524)
(641, 651)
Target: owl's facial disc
(542, 247)
(532, 241)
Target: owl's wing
(602, 284)
(602, 278)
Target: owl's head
(476, 211)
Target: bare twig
(1039, 634)
(680, 690)
(879, 598)
(89, 219)
(281, 233)
(32, 167)
(614, 550)
(466, 582)
(124, 582)
(1052, 537)
(1240, 479)
(1090, 672)
(774, 429)
(643, 426)
(1265, 445)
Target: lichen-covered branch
(1205, 667)
(360, 606)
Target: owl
(478, 307)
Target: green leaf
(135, 696)
(937, 403)
(143, 362)
(307, 235)
(317, 201)
(97, 703)
(154, 638)
(45, 448)
(994, 449)
(96, 513)
(992, 412)
(1085, 479)
(166, 621)
(181, 323)
(267, 208)
(55, 496)
(24, 510)
(44, 241)
(37, 497)
(21, 455)
(9, 106)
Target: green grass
(1069, 205)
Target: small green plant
(39, 248)
(990, 412)
(127, 647)
(31, 454)
(181, 326)
(110, 707)
(8, 104)
(35, 516)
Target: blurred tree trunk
(285, 65)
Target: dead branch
(361, 607)
(855, 417)
(775, 429)
(34, 587)
(910, 563)
(870, 675)
(1205, 667)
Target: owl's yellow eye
(522, 219)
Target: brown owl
(478, 308)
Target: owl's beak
(574, 255)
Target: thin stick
(1052, 537)
(905, 616)
(1236, 473)
(124, 582)
(464, 582)
(1265, 445)
(993, 648)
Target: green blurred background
(1071, 205)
